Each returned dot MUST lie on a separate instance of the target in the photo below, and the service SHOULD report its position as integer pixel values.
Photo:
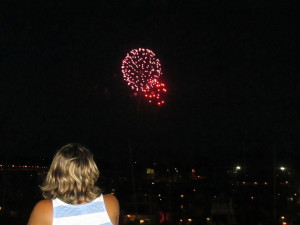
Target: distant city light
(150, 171)
(282, 168)
(236, 169)
(22, 167)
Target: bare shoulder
(110, 199)
(41, 213)
(112, 207)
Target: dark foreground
(174, 197)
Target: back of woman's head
(72, 176)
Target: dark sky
(231, 71)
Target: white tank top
(92, 213)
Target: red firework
(141, 71)
(156, 93)
(140, 67)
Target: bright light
(238, 168)
(142, 221)
(150, 171)
(190, 220)
(182, 196)
(128, 215)
(282, 168)
(207, 219)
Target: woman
(71, 194)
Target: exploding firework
(140, 68)
(141, 71)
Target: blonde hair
(72, 176)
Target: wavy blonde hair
(72, 176)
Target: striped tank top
(92, 213)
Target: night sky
(231, 70)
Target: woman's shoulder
(44, 204)
(41, 213)
(110, 198)
(112, 207)
(111, 202)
